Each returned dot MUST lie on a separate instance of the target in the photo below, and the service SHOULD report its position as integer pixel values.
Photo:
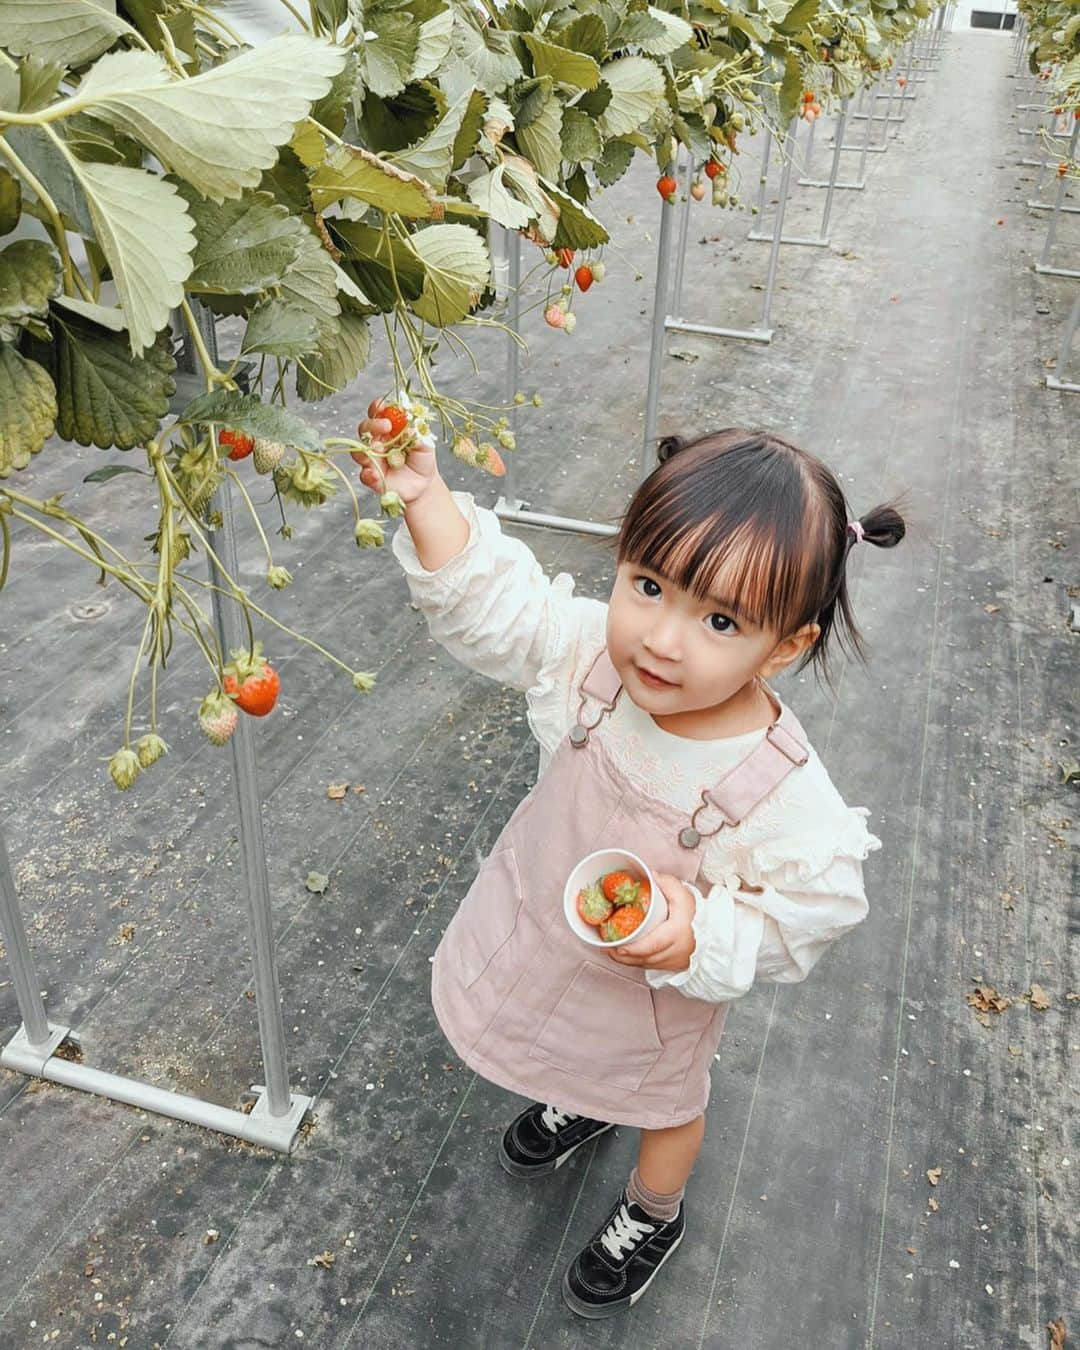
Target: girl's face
(679, 656)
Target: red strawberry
(611, 881)
(239, 442)
(252, 682)
(713, 167)
(566, 257)
(667, 187)
(584, 277)
(389, 412)
(627, 919)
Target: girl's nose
(664, 640)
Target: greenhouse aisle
(888, 1165)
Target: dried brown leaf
(1057, 1331)
(933, 1204)
(1037, 997)
(986, 999)
(324, 1259)
(933, 1175)
(336, 791)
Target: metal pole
(1042, 266)
(778, 230)
(27, 993)
(765, 152)
(835, 170)
(249, 812)
(656, 349)
(513, 352)
(1056, 381)
(684, 236)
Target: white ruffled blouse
(495, 610)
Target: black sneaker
(620, 1262)
(543, 1137)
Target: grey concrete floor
(910, 355)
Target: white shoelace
(554, 1119)
(623, 1232)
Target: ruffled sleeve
(496, 611)
(772, 919)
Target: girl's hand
(670, 945)
(411, 481)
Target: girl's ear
(789, 649)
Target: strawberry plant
(327, 188)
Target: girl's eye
(720, 623)
(647, 587)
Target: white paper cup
(590, 870)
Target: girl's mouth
(653, 681)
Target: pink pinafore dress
(524, 1002)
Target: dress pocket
(603, 1028)
(488, 915)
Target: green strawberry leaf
(280, 328)
(637, 90)
(541, 140)
(575, 70)
(29, 278)
(433, 158)
(71, 31)
(259, 96)
(578, 227)
(245, 412)
(106, 396)
(27, 409)
(614, 163)
(10, 201)
(336, 365)
(244, 246)
(385, 61)
(457, 270)
(353, 173)
(490, 193)
(581, 140)
(142, 227)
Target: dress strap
(785, 747)
(602, 683)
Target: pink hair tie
(855, 528)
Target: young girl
(658, 733)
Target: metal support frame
(776, 236)
(277, 1115)
(838, 147)
(1055, 381)
(1043, 265)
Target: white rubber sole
(524, 1170)
(594, 1313)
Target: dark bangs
(733, 515)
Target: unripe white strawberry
(569, 323)
(267, 455)
(218, 717)
(599, 271)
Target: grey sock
(657, 1206)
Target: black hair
(774, 514)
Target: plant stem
(71, 272)
(254, 514)
(210, 371)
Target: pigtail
(883, 527)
